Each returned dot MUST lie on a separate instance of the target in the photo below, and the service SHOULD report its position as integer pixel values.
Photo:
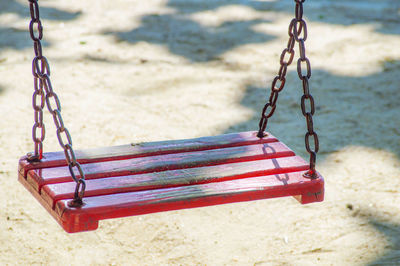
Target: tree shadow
(369, 116)
(383, 14)
(193, 6)
(16, 38)
(360, 111)
(12, 6)
(390, 230)
(187, 38)
(392, 234)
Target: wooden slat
(41, 177)
(53, 159)
(183, 177)
(150, 201)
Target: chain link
(300, 35)
(44, 95)
(38, 102)
(278, 82)
(297, 33)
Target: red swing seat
(169, 175)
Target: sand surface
(133, 71)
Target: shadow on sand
(16, 38)
(391, 232)
(187, 38)
(368, 12)
(373, 123)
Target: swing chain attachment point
(297, 33)
(44, 95)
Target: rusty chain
(300, 35)
(280, 79)
(297, 33)
(45, 95)
(38, 98)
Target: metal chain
(298, 33)
(45, 93)
(279, 81)
(38, 98)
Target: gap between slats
(176, 178)
(143, 202)
(40, 177)
(105, 154)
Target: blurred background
(134, 71)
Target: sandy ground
(131, 71)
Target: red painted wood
(150, 164)
(150, 201)
(134, 150)
(185, 175)
(54, 192)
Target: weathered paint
(172, 175)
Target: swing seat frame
(169, 175)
